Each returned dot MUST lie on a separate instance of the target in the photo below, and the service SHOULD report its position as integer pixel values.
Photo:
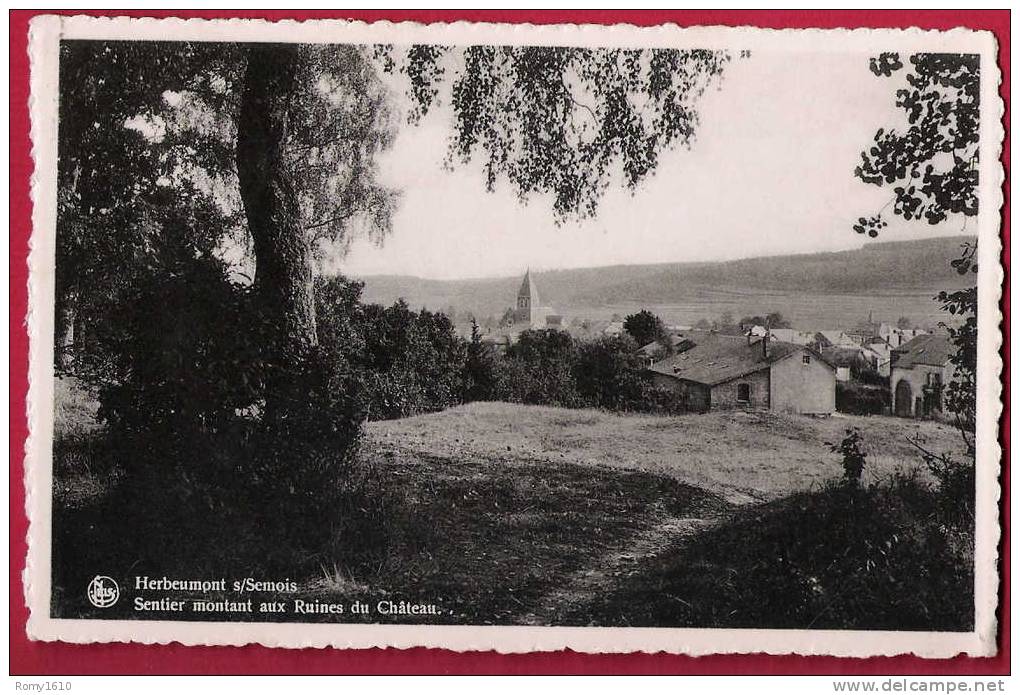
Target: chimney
(765, 345)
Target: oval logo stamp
(103, 592)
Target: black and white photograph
(627, 337)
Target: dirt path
(583, 585)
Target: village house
(656, 350)
(869, 332)
(919, 371)
(896, 337)
(879, 352)
(614, 328)
(848, 361)
(832, 338)
(793, 335)
(747, 372)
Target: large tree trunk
(283, 275)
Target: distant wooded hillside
(875, 268)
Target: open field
(508, 514)
(805, 309)
(740, 456)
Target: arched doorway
(904, 399)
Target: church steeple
(529, 305)
(527, 296)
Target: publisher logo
(103, 592)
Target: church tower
(530, 312)
(527, 299)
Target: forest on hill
(874, 268)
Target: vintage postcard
(515, 338)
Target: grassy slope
(572, 517)
(740, 456)
(512, 514)
(839, 558)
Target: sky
(770, 172)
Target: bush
(409, 362)
(479, 368)
(275, 495)
(392, 394)
(957, 489)
(225, 449)
(645, 327)
(536, 383)
(549, 367)
(607, 373)
(660, 401)
(538, 370)
(875, 557)
(854, 457)
(191, 355)
(870, 376)
(860, 399)
(956, 484)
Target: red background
(39, 658)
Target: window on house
(744, 393)
(806, 359)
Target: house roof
(835, 337)
(930, 349)
(792, 335)
(843, 356)
(655, 346)
(879, 347)
(716, 359)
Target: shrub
(223, 446)
(189, 354)
(854, 457)
(271, 494)
(870, 557)
(645, 327)
(411, 362)
(956, 484)
(536, 383)
(870, 376)
(538, 370)
(861, 399)
(338, 315)
(607, 373)
(549, 367)
(392, 394)
(660, 401)
(957, 489)
(479, 368)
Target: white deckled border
(46, 31)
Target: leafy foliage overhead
(932, 164)
(147, 164)
(140, 120)
(568, 122)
